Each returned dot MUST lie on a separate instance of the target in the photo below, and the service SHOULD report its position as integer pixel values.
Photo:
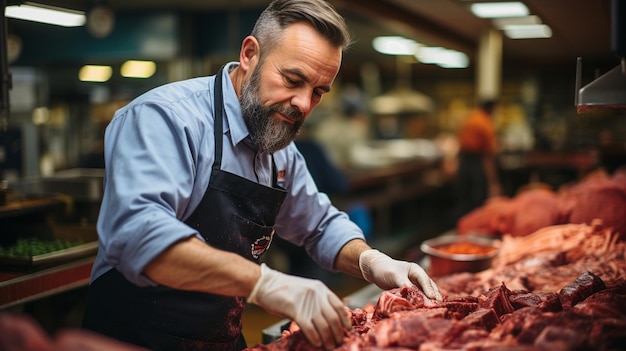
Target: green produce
(29, 247)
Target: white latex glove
(388, 273)
(320, 314)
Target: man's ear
(249, 54)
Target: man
(201, 174)
(477, 174)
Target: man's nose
(302, 101)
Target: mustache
(291, 112)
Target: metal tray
(58, 256)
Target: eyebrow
(302, 76)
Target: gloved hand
(388, 273)
(316, 309)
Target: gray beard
(268, 133)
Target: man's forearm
(193, 265)
(348, 259)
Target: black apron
(235, 215)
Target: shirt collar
(235, 123)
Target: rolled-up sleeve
(150, 169)
(308, 218)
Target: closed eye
(292, 82)
(302, 79)
(319, 92)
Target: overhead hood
(401, 100)
(609, 90)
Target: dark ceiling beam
(404, 21)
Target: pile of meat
(560, 288)
(598, 196)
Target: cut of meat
(483, 318)
(401, 299)
(517, 216)
(535, 209)
(606, 202)
(410, 330)
(546, 301)
(555, 337)
(608, 334)
(512, 324)
(578, 290)
(596, 197)
(460, 309)
(497, 299)
(609, 303)
(493, 218)
(389, 302)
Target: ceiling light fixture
(401, 46)
(499, 9)
(95, 73)
(138, 69)
(527, 31)
(442, 57)
(46, 14)
(501, 23)
(395, 45)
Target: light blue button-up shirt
(159, 150)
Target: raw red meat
(520, 215)
(554, 337)
(578, 290)
(484, 318)
(401, 299)
(409, 330)
(535, 209)
(497, 299)
(460, 308)
(602, 198)
(481, 312)
(495, 325)
(609, 303)
(598, 196)
(546, 301)
(493, 218)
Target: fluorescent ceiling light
(138, 69)
(429, 54)
(395, 45)
(94, 73)
(442, 57)
(453, 59)
(499, 9)
(530, 31)
(46, 14)
(501, 23)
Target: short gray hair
(318, 13)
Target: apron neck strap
(218, 129)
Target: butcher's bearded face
(267, 131)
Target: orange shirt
(477, 134)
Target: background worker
(477, 172)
